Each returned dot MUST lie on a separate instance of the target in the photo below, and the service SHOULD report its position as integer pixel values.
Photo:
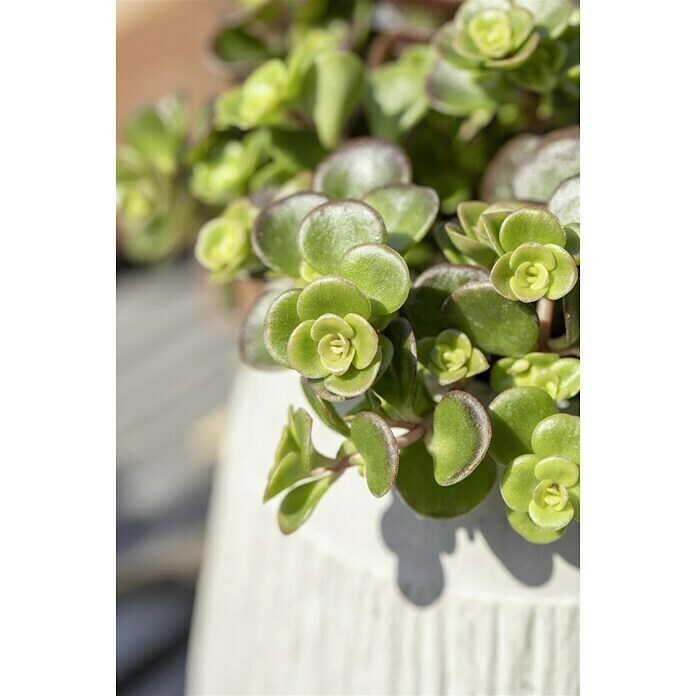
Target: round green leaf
(558, 434)
(361, 165)
(523, 525)
(408, 212)
(280, 321)
(417, 487)
(354, 382)
(531, 225)
(380, 272)
(558, 469)
(460, 438)
(496, 184)
(518, 482)
(492, 322)
(431, 289)
(303, 354)
(514, 414)
(334, 295)
(564, 275)
(547, 517)
(333, 228)
(274, 234)
(376, 444)
(300, 502)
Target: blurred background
(176, 353)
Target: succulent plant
(332, 170)
(451, 357)
(559, 377)
(156, 214)
(534, 262)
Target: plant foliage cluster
(413, 195)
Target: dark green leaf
(493, 323)
(417, 486)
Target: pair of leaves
(379, 173)
(457, 444)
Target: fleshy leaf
(531, 225)
(274, 234)
(564, 275)
(365, 340)
(303, 355)
(286, 473)
(324, 410)
(514, 414)
(417, 487)
(330, 230)
(376, 444)
(557, 434)
(518, 482)
(280, 321)
(332, 294)
(408, 212)
(431, 289)
(361, 165)
(523, 525)
(460, 438)
(354, 382)
(380, 272)
(493, 323)
(558, 469)
(547, 517)
(336, 86)
(300, 502)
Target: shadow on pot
(419, 543)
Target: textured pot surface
(367, 598)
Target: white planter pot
(367, 598)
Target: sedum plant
(411, 199)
